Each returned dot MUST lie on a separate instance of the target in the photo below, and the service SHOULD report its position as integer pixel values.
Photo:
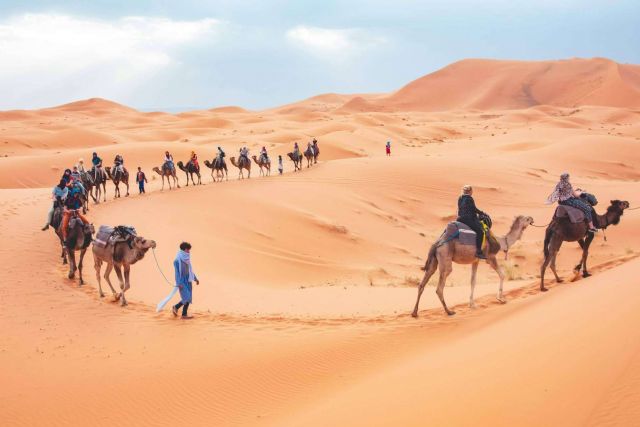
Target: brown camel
(442, 254)
(562, 230)
(118, 176)
(190, 170)
(87, 182)
(219, 166)
(167, 172)
(79, 238)
(262, 163)
(119, 257)
(316, 152)
(243, 163)
(99, 179)
(308, 154)
(297, 161)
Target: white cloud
(331, 41)
(50, 56)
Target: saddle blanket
(460, 231)
(107, 235)
(575, 215)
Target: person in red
(71, 204)
(194, 160)
(141, 179)
(388, 148)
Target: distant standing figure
(141, 178)
(280, 166)
(184, 279)
(388, 148)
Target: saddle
(111, 235)
(575, 215)
(466, 236)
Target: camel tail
(547, 238)
(431, 258)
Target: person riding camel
(76, 179)
(118, 164)
(564, 194)
(311, 149)
(220, 157)
(58, 195)
(80, 166)
(97, 165)
(296, 150)
(66, 176)
(194, 160)
(264, 155)
(468, 215)
(72, 204)
(314, 144)
(244, 152)
(168, 160)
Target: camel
(262, 163)
(88, 184)
(309, 155)
(443, 253)
(99, 179)
(119, 257)
(189, 170)
(78, 239)
(562, 230)
(219, 166)
(243, 163)
(118, 176)
(297, 161)
(168, 173)
(316, 153)
(517, 228)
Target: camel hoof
(472, 306)
(501, 300)
(559, 280)
(586, 274)
(117, 297)
(450, 313)
(124, 303)
(414, 314)
(101, 295)
(544, 289)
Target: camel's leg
(127, 269)
(552, 264)
(433, 266)
(552, 250)
(493, 262)
(474, 272)
(127, 185)
(445, 270)
(123, 301)
(585, 254)
(107, 273)
(97, 264)
(82, 252)
(104, 190)
(72, 263)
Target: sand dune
(302, 316)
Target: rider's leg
(82, 217)
(49, 218)
(65, 224)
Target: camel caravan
(468, 240)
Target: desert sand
(308, 279)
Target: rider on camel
(296, 150)
(58, 194)
(468, 215)
(168, 160)
(244, 152)
(118, 164)
(71, 204)
(264, 155)
(194, 160)
(564, 194)
(97, 165)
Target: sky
(193, 54)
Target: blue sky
(200, 54)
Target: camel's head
(617, 208)
(525, 221)
(141, 243)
